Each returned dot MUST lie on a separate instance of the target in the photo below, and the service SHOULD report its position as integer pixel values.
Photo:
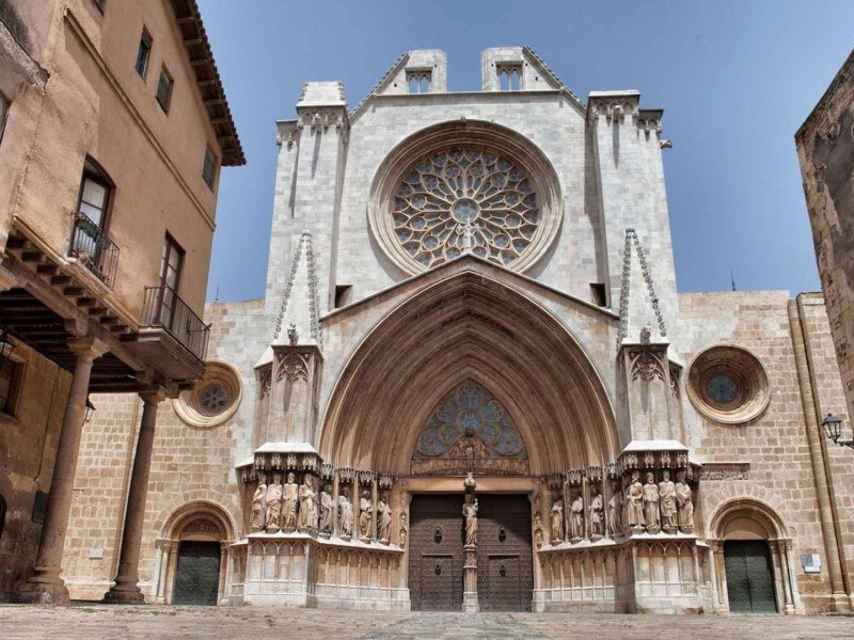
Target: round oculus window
(213, 399)
(728, 384)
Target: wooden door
(749, 578)
(436, 553)
(197, 575)
(505, 571)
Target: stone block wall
(28, 443)
(782, 447)
(825, 144)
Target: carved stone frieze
(646, 365)
(292, 365)
(716, 471)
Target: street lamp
(833, 430)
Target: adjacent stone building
(472, 383)
(826, 151)
(113, 126)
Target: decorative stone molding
(728, 384)
(714, 471)
(213, 399)
(633, 244)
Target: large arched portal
(469, 374)
(469, 328)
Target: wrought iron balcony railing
(164, 308)
(93, 248)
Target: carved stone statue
(634, 504)
(365, 513)
(404, 531)
(651, 504)
(470, 513)
(274, 506)
(576, 519)
(615, 513)
(259, 508)
(345, 513)
(384, 518)
(557, 521)
(307, 505)
(326, 506)
(684, 504)
(667, 494)
(539, 537)
(597, 523)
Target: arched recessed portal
(193, 559)
(469, 328)
(753, 558)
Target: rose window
(465, 199)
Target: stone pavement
(104, 622)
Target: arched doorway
(753, 559)
(194, 554)
(403, 405)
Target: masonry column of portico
(46, 586)
(126, 589)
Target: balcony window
(89, 241)
(163, 306)
(171, 263)
(164, 89)
(143, 54)
(209, 168)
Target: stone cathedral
(473, 385)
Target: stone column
(470, 599)
(126, 590)
(45, 586)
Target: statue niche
(470, 431)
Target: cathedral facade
(472, 383)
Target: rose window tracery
(465, 199)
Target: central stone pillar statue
(470, 602)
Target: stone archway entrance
(753, 560)
(194, 556)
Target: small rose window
(213, 400)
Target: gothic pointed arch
(469, 326)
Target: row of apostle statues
(648, 507)
(292, 507)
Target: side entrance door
(436, 552)
(197, 575)
(749, 578)
(505, 574)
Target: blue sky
(735, 79)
